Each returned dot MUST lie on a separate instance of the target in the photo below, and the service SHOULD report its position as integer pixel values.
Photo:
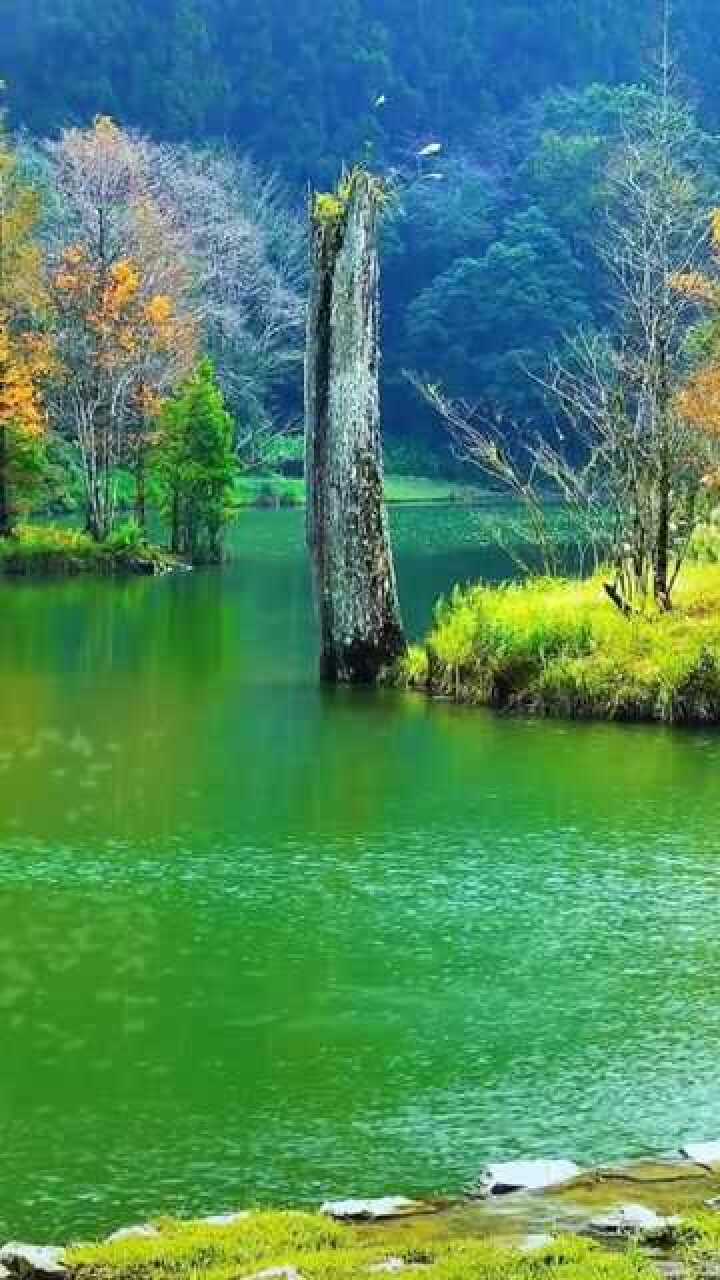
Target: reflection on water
(264, 942)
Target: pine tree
(195, 465)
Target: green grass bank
(559, 648)
(316, 1249)
(37, 550)
(309, 1246)
(276, 490)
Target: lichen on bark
(348, 537)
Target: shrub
(127, 539)
(415, 667)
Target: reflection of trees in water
(120, 624)
(125, 701)
(104, 689)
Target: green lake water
(265, 943)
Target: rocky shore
(529, 1206)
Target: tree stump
(347, 527)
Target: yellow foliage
(159, 312)
(122, 298)
(26, 357)
(38, 354)
(149, 403)
(133, 330)
(75, 278)
(699, 401)
(21, 269)
(105, 128)
(694, 285)
(711, 481)
(22, 362)
(124, 285)
(108, 303)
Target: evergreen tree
(195, 466)
(296, 82)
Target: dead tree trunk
(347, 528)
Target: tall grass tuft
(556, 647)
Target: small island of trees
(141, 307)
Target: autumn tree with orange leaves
(25, 353)
(121, 290)
(698, 401)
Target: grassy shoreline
(559, 648)
(295, 1244)
(275, 490)
(560, 1232)
(48, 550)
(301, 1245)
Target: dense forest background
(488, 257)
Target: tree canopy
(299, 84)
(495, 133)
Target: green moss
(322, 1250)
(560, 648)
(330, 207)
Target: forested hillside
(488, 260)
(296, 82)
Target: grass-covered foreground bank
(49, 549)
(317, 1249)
(560, 648)
(311, 1247)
